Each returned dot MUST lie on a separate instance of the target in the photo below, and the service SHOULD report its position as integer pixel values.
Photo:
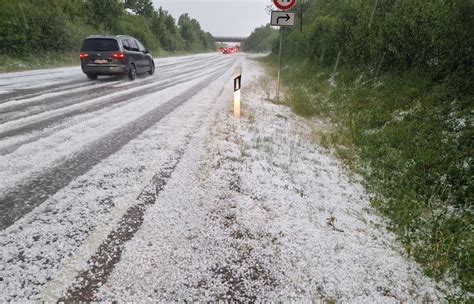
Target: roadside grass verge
(40, 60)
(413, 141)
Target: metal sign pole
(279, 66)
(282, 18)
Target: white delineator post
(237, 88)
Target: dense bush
(25, 27)
(434, 37)
(396, 79)
(43, 26)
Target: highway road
(80, 158)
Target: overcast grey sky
(221, 17)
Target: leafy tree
(138, 27)
(193, 35)
(104, 12)
(141, 7)
(187, 31)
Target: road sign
(284, 5)
(237, 83)
(283, 18)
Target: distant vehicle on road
(115, 55)
(231, 50)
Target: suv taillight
(119, 56)
(83, 56)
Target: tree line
(261, 40)
(30, 26)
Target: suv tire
(132, 72)
(152, 68)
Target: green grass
(413, 141)
(37, 61)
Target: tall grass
(413, 141)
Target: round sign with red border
(284, 5)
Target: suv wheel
(132, 73)
(91, 77)
(152, 68)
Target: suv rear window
(100, 45)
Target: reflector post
(237, 89)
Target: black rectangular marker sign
(237, 83)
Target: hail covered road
(81, 160)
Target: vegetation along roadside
(395, 80)
(44, 33)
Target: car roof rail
(100, 36)
(124, 36)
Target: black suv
(115, 55)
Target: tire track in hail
(24, 197)
(200, 58)
(45, 132)
(51, 120)
(109, 253)
(20, 94)
(186, 63)
(61, 100)
(34, 74)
